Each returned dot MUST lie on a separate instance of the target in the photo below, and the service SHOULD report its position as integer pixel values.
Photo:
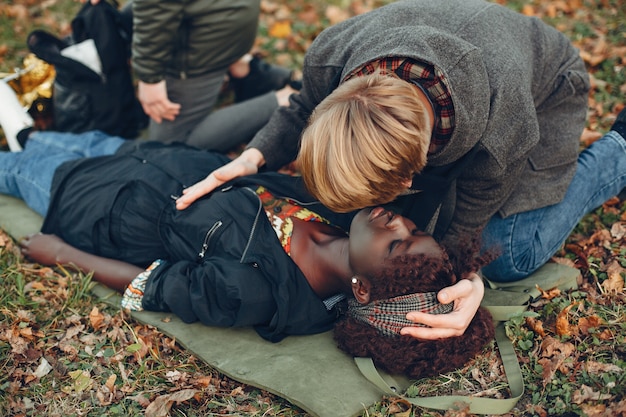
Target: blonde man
(375, 126)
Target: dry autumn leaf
(615, 280)
(96, 319)
(563, 261)
(591, 322)
(563, 327)
(400, 407)
(597, 368)
(110, 382)
(536, 326)
(618, 230)
(280, 30)
(528, 10)
(160, 407)
(586, 393)
(549, 294)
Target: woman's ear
(361, 289)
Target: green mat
(309, 371)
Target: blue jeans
(28, 174)
(528, 240)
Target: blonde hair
(364, 141)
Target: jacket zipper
(207, 238)
(256, 220)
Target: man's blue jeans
(28, 174)
(527, 240)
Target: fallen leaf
(280, 30)
(563, 261)
(96, 318)
(597, 410)
(536, 326)
(399, 407)
(140, 399)
(563, 327)
(586, 393)
(591, 322)
(162, 404)
(606, 334)
(550, 294)
(597, 368)
(615, 280)
(4, 240)
(110, 383)
(82, 381)
(43, 369)
(549, 368)
(528, 10)
(551, 346)
(618, 230)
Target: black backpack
(83, 99)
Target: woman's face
(377, 234)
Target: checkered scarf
(389, 316)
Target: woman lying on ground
(220, 262)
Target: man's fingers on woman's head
(463, 288)
(427, 333)
(444, 321)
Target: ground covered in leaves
(64, 353)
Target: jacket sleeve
(216, 292)
(155, 25)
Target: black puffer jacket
(224, 265)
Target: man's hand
(247, 163)
(466, 294)
(155, 103)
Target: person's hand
(247, 163)
(43, 249)
(155, 103)
(466, 294)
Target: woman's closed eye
(394, 244)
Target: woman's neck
(321, 253)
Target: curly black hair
(405, 354)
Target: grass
(65, 353)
